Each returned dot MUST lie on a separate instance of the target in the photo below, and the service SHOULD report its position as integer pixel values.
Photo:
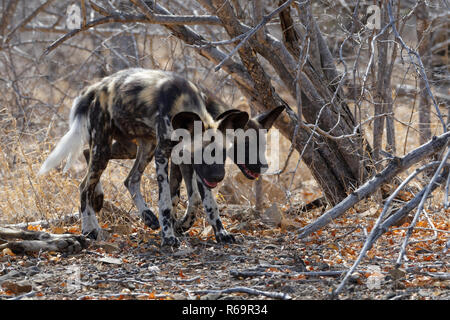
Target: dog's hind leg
(145, 152)
(175, 178)
(119, 150)
(91, 195)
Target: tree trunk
(425, 54)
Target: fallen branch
(420, 207)
(70, 218)
(406, 209)
(255, 273)
(395, 166)
(275, 295)
(36, 241)
(374, 233)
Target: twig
(256, 273)
(301, 64)
(420, 208)
(371, 238)
(275, 295)
(27, 19)
(128, 18)
(118, 295)
(404, 211)
(28, 294)
(420, 70)
(395, 166)
(252, 31)
(83, 12)
(446, 192)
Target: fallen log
(395, 166)
(36, 241)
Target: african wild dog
(250, 169)
(144, 106)
(197, 193)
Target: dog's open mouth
(248, 173)
(210, 184)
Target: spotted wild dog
(144, 106)
(196, 191)
(251, 168)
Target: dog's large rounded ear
(185, 120)
(267, 119)
(226, 113)
(233, 119)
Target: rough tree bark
(425, 53)
(383, 95)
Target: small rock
(287, 289)
(154, 269)
(110, 260)
(31, 271)
(210, 296)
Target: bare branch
(375, 230)
(394, 167)
(420, 208)
(252, 31)
(28, 19)
(419, 65)
(274, 295)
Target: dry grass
(34, 107)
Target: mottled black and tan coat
(131, 114)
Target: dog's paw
(150, 219)
(224, 237)
(170, 242)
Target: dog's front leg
(166, 219)
(194, 200)
(212, 215)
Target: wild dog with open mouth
(143, 106)
(197, 193)
(252, 164)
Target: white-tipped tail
(69, 147)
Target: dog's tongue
(210, 184)
(250, 173)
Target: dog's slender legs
(212, 214)
(194, 200)
(91, 195)
(145, 152)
